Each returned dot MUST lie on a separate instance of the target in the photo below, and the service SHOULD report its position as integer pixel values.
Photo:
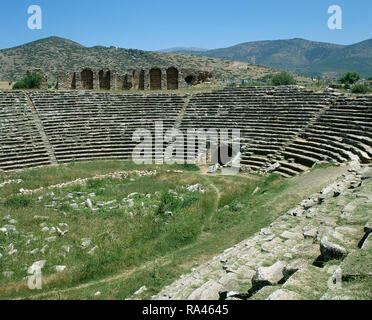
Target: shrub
(349, 77)
(168, 203)
(30, 81)
(283, 79)
(360, 88)
(17, 201)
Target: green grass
(151, 242)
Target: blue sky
(154, 25)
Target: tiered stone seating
(342, 133)
(21, 144)
(87, 125)
(268, 117)
(288, 125)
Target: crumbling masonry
(135, 79)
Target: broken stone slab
(292, 235)
(309, 232)
(60, 268)
(306, 250)
(293, 267)
(10, 227)
(273, 167)
(35, 251)
(74, 206)
(85, 242)
(51, 239)
(91, 251)
(331, 250)
(12, 250)
(140, 290)
(214, 168)
(284, 294)
(208, 291)
(296, 212)
(266, 276)
(367, 242)
(89, 203)
(36, 267)
(269, 246)
(229, 282)
(368, 227)
(309, 203)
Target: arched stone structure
(141, 83)
(172, 78)
(138, 80)
(73, 81)
(155, 79)
(104, 78)
(87, 79)
(127, 84)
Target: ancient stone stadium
(80, 220)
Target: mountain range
(252, 60)
(299, 56)
(55, 54)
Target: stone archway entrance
(155, 79)
(139, 80)
(87, 79)
(104, 80)
(172, 78)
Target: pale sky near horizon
(155, 25)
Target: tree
(350, 77)
(360, 88)
(283, 79)
(30, 81)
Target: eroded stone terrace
(301, 255)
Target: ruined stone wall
(134, 79)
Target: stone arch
(141, 83)
(155, 79)
(172, 78)
(138, 79)
(73, 81)
(104, 80)
(127, 84)
(190, 80)
(87, 79)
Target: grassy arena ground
(145, 239)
